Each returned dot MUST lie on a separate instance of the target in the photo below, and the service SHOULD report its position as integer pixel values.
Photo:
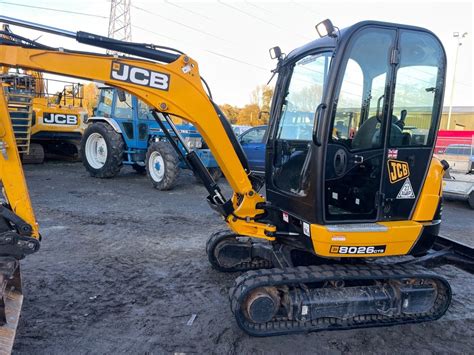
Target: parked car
(239, 129)
(459, 156)
(253, 144)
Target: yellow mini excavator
(350, 179)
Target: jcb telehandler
(350, 179)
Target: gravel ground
(122, 268)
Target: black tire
(162, 180)
(216, 174)
(140, 169)
(470, 200)
(115, 147)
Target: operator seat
(368, 135)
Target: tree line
(260, 101)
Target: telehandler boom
(349, 178)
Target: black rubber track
(225, 235)
(297, 276)
(115, 148)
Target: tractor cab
(354, 122)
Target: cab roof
(343, 35)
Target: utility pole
(119, 20)
(459, 38)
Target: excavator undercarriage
(285, 289)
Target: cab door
(417, 103)
(290, 151)
(358, 117)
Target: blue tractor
(123, 131)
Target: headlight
(193, 142)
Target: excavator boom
(168, 82)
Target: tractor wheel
(102, 150)
(140, 169)
(216, 174)
(35, 155)
(162, 165)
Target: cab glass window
(357, 123)
(144, 111)
(419, 83)
(104, 104)
(304, 95)
(253, 136)
(123, 109)
(295, 127)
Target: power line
(52, 9)
(258, 7)
(257, 18)
(155, 33)
(179, 23)
(169, 2)
(208, 51)
(305, 7)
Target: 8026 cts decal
(344, 249)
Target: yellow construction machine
(42, 121)
(350, 179)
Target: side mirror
(121, 95)
(275, 52)
(326, 28)
(264, 115)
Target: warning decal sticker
(406, 192)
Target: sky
(230, 39)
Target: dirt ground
(122, 268)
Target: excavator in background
(43, 122)
(353, 199)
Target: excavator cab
(353, 124)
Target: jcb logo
(139, 76)
(59, 118)
(397, 170)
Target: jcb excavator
(350, 179)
